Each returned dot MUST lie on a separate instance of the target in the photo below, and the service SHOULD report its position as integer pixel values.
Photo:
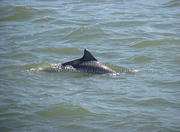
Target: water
(140, 35)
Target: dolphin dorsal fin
(88, 56)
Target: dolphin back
(88, 64)
(86, 57)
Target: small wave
(167, 83)
(142, 59)
(154, 101)
(75, 126)
(147, 43)
(44, 19)
(150, 43)
(124, 23)
(142, 116)
(11, 114)
(62, 109)
(66, 50)
(31, 10)
(85, 33)
(172, 3)
(5, 129)
(19, 13)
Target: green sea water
(127, 35)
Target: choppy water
(137, 34)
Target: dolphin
(88, 64)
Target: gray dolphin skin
(88, 64)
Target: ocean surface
(140, 39)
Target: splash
(58, 67)
(54, 68)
